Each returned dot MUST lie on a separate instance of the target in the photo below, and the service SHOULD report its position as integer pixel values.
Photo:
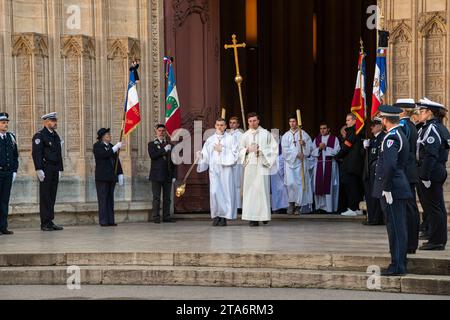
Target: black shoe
(112, 225)
(370, 224)
(222, 222)
(254, 224)
(411, 251)
(156, 221)
(104, 225)
(392, 274)
(266, 223)
(47, 228)
(7, 232)
(57, 228)
(216, 222)
(169, 221)
(432, 247)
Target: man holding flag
(352, 152)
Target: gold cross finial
(239, 79)
(235, 46)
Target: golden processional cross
(239, 79)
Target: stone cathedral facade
(72, 56)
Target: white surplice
(220, 165)
(279, 190)
(257, 171)
(293, 168)
(238, 170)
(328, 203)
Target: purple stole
(323, 179)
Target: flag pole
(116, 168)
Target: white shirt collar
(377, 134)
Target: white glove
(14, 177)
(121, 180)
(174, 180)
(40, 175)
(60, 173)
(199, 155)
(117, 147)
(427, 184)
(366, 144)
(388, 196)
(168, 148)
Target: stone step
(223, 277)
(287, 261)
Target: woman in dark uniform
(105, 176)
(433, 147)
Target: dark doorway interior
(305, 55)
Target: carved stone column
(78, 66)
(31, 96)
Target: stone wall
(72, 56)
(419, 57)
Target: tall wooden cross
(238, 79)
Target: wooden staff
(300, 125)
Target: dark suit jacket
(163, 169)
(352, 154)
(105, 161)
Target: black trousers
(374, 213)
(396, 226)
(434, 205)
(166, 188)
(413, 221)
(353, 186)
(5, 193)
(105, 196)
(47, 197)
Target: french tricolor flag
(380, 81)
(132, 111)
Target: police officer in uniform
(412, 172)
(433, 147)
(392, 188)
(162, 174)
(48, 163)
(106, 176)
(9, 163)
(374, 213)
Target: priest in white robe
(326, 171)
(295, 152)
(219, 155)
(238, 170)
(258, 154)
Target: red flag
(359, 98)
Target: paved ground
(193, 293)
(190, 236)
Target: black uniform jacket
(47, 151)
(105, 163)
